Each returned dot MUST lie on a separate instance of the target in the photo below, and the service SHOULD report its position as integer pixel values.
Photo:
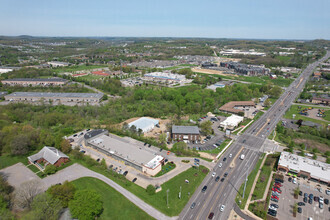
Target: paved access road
(251, 145)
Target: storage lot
(287, 201)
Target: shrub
(151, 190)
(50, 169)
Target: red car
(277, 190)
(277, 184)
(275, 197)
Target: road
(251, 145)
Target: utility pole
(245, 184)
(167, 196)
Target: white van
(242, 157)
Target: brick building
(46, 156)
(188, 134)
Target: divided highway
(250, 144)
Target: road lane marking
(263, 126)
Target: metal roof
(36, 80)
(144, 123)
(185, 129)
(51, 154)
(59, 95)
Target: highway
(250, 144)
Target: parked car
(275, 197)
(224, 159)
(301, 204)
(279, 180)
(230, 155)
(305, 194)
(222, 179)
(226, 174)
(311, 196)
(274, 200)
(300, 193)
(327, 192)
(134, 180)
(321, 205)
(125, 173)
(217, 179)
(310, 201)
(316, 199)
(98, 159)
(299, 210)
(274, 205)
(220, 164)
(326, 201)
(204, 189)
(290, 179)
(82, 151)
(193, 205)
(305, 199)
(213, 174)
(321, 199)
(110, 167)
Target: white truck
(242, 156)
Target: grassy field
(295, 110)
(261, 80)
(115, 205)
(262, 181)
(165, 169)
(77, 68)
(249, 184)
(6, 160)
(91, 77)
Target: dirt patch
(313, 144)
(207, 71)
(206, 155)
(313, 114)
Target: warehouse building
(145, 124)
(188, 134)
(231, 122)
(55, 98)
(245, 69)
(34, 82)
(122, 150)
(304, 167)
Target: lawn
(115, 205)
(295, 110)
(165, 169)
(249, 184)
(7, 160)
(90, 77)
(262, 181)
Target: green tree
(50, 169)
(64, 192)
(44, 206)
(296, 192)
(162, 138)
(151, 190)
(267, 103)
(65, 146)
(275, 91)
(87, 204)
(206, 127)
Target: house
(48, 155)
(185, 133)
(316, 76)
(323, 101)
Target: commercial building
(304, 167)
(252, 52)
(236, 107)
(165, 76)
(145, 124)
(123, 150)
(48, 155)
(245, 69)
(231, 122)
(34, 82)
(324, 101)
(55, 98)
(188, 134)
(58, 64)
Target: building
(165, 76)
(231, 52)
(324, 101)
(263, 99)
(188, 134)
(124, 150)
(2, 94)
(231, 122)
(245, 69)
(316, 76)
(55, 98)
(48, 155)
(304, 167)
(236, 107)
(58, 64)
(145, 124)
(216, 85)
(34, 82)
(208, 65)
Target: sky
(253, 19)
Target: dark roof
(185, 129)
(37, 80)
(94, 133)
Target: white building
(57, 64)
(145, 124)
(231, 122)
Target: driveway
(18, 174)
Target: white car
(321, 199)
(294, 181)
(213, 174)
(272, 208)
(222, 208)
(230, 155)
(220, 165)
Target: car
(211, 215)
(88, 129)
(134, 180)
(230, 155)
(226, 174)
(279, 180)
(310, 201)
(274, 200)
(149, 145)
(278, 184)
(327, 192)
(305, 194)
(311, 196)
(110, 167)
(168, 152)
(222, 208)
(82, 151)
(290, 179)
(275, 193)
(98, 159)
(125, 173)
(213, 174)
(75, 135)
(214, 145)
(114, 169)
(300, 193)
(274, 205)
(161, 149)
(276, 190)
(320, 190)
(271, 213)
(299, 210)
(321, 199)
(301, 204)
(275, 197)
(321, 205)
(217, 179)
(326, 201)
(316, 199)
(193, 205)
(222, 179)
(224, 159)
(204, 189)
(166, 160)
(220, 165)
(305, 199)
(294, 181)
(81, 133)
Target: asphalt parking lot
(287, 201)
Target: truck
(242, 156)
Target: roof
(232, 121)
(51, 154)
(143, 123)
(94, 133)
(322, 99)
(229, 107)
(36, 80)
(317, 169)
(124, 149)
(185, 129)
(59, 95)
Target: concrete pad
(18, 174)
